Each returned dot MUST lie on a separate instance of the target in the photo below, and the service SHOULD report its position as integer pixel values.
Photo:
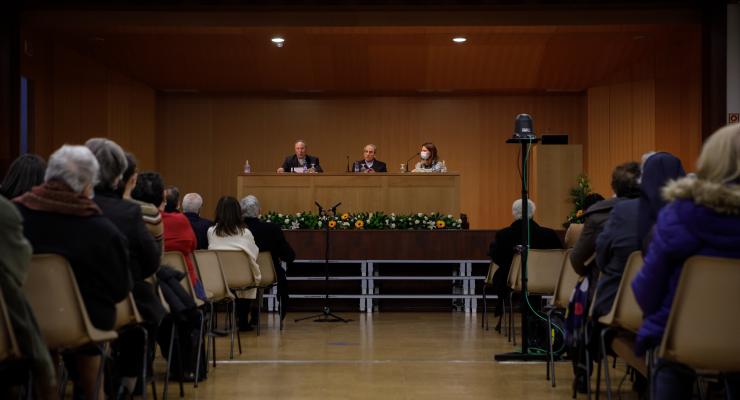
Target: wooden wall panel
(77, 98)
(204, 140)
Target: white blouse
(245, 242)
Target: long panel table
(386, 192)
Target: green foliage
(578, 195)
(363, 220)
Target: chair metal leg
(230, 318)
(99, 379)
(198, 348)
(484, 320)
(605, 359)
(260, 293)
(598, 379)
(169, 362)
(551, 359)
(154, 389)
(179, 359)
(145, 336)
(511, 315)
(235, 329)
(588, 363)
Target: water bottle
(247, 167)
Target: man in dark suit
(368, 162)
(300, 161)
(501, 250)
(191, 205)
(269, 237)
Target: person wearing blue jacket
(701, 218)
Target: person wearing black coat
(269, 237)
(300, 160)
(501, 249)
(369, 163)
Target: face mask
(424, 155)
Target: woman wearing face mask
(429, 160)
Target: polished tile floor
(381, 356)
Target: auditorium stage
(379, 356)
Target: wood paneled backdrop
(204, 140)
(199, 142)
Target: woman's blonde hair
(720, 156)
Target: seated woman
(59, 217)
(24, 173)
(229, 232)
(429, 160)
(702, 218)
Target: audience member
(149, 212)
(24, 173)
(501, 249)
(625, 186)
(575, 230)
(59, 217)
(651, 185)
(300, 161)
(702, 218)
(269, 237)
(429, 160)
(144, 255)
(231, 233)
(172, 200)
(191, 205)
(15, 254)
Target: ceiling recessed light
(278, 41)
(459, 39)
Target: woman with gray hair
(59, 218)
(144, 252)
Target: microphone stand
(326, 315)
(523, 355)
(411, 158)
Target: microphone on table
(321, 209)
(411, 158)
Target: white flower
(297, 214)
(320, 223)
(367, 221)
(393, 215)
(345, 223)
(419, 214)
(295, 225)
(370, 216)
(287, 221)
(393, 226)
(416, 221)
(459, 221)
(449, 216)
(280, 215)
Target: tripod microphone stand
(326, 315)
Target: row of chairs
(698, 333)
(53, 294)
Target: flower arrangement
(362, 220)
(578, 195)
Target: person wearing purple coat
(701, 218)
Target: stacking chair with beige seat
(513, 282)
(11, 357)
(567, 280)
(237, 268)
(176, 260)
(217, 290)
(269, 279)
(492, 268)
(52, 292)
(625, 317)
(702, 328)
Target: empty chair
(513, 282)
(216, 287)
(486, 283)
(269, 279)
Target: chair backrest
(702, 328)
(513, 281)
(267, 268)
(176, 260)
(625, 312)
(543, 268)
(52, 292)
(8, 344)
(214, 281)
(127, 313)
(492, 268)
(567, 280)
(236, 267)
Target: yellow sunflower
(332, 224)
(345, 216)
(359, 224)
(440, 224)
